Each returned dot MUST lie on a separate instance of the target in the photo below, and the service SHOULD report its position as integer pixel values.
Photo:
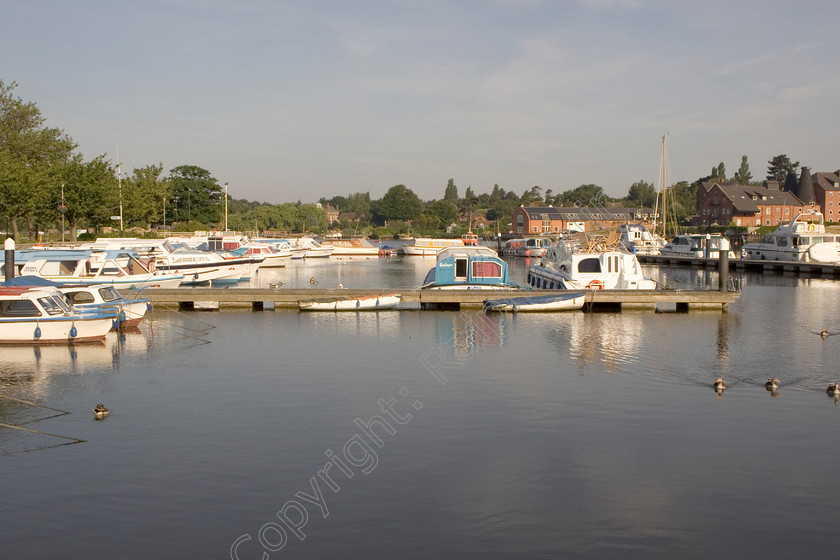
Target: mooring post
(724, 269)
(9, 246)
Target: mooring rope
(76, 440)
(33, 404)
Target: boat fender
(358, 303)
(37, 332)
(377, 302)
(73, 331)
(122, 316)
(115, 324)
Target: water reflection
(613, 339)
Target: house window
(767, 211)
(787, 211)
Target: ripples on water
(575, 435)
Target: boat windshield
(51, 305)
(109, 293)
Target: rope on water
(74, 440)
(187, 316)
(33, 404)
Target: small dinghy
(554, 302)
(369, 303)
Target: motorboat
(553, 302)
(595, 266)
(429, 246)
(353, 247)
(40, 315)
(308, 248)
(638, 239)
(697, 245)
(120, 268)
(274, 256)
(801, 240)
(526, 247)
(130, 308)
(469, 268)
(470, 239)
(197, 266)
(366, 303)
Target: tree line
(46, 182)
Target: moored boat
(469, 268)
(697, 245)
(130, 309)
(40, 315)
(637, 239)
(601, 268)
(526, 247)
(429, 246)
(801, 240)
(353, 247)
(553, 302)
(366, 303)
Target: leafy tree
(444, 212)
(197, 194)
(643, 194)
(779, 167)
(144, 194)
(743, 175)
(549, 197)
(718, 173)
(584, 195)
(451, 192)
(90, 193)
(30, 155)
(536, 195)
(400, 203)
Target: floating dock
(805, 268)
(268, 298)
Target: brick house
(745, 205)
(537, 220)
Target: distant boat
(637, 239)
(366, 303)
(697, 245)
(353, 247)
(429, 246)
(554, 302)
(527, 247)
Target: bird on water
(719, 385)
(100, 411)
(772, 384)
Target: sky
(303, 99)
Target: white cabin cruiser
(564, 267)
(697, 245)
(798, 241)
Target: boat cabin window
(591, 264)
(18, 308)
(78, 297)
(782, 241)
(486, 269)
(109, 293)
(460, 268)
(50, 305)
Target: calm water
(553, 436)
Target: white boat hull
(55, 330)
(563, 302)
(373, 303)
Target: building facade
(551, 220)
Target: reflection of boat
(636, 238)
(30, 315)
(563, 267)
(799, 240)
(469, 268)
(430, 246)
(353, 247)
(527, 247)
(119, 268)
(554, 302)
(697, 245)
(369, 303)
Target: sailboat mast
(664, 192)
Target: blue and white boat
(118, 268)
(469, 268)
(551, 302)
(39, 315)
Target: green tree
(400, 203)
(451, 192)
(444, 212)
(779, 167)
(584, 195)
(30, 156)
(144, 194)
(743, 175)
(718, 173)
(197, 194)
(643, 194)
(90, 193)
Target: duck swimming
(719, 384)
(772, 384)
(833, 389)
(100, 411)
(312, 280)
(824, 333)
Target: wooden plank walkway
(267, 298)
